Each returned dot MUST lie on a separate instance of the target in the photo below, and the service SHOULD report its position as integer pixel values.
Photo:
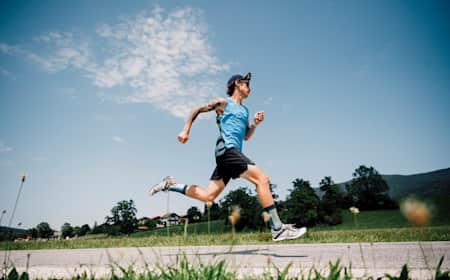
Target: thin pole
(6, 259)
(168, 216)
(1, 217)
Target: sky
(94, 93)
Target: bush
(250, 213)
(333, 219)
(301, 206)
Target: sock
(180, 188)
(274, 222)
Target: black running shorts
(230, 164)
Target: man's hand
(259, 117)
(183, 136)
(251, 127)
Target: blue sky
(94, 93)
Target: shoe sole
(151, 192)
(157, 185)
(291, 237)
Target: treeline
(303, 206)
(122, 221)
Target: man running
(234, 126)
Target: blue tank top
(232, 125)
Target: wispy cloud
(165, 58)
(118, 139)
(4, 148)
(67, 50)
(8, 49)
(6, 73)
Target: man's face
(244, 87)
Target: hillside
(430, 184)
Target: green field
(365, 220)
(373, 226)
(384, 219)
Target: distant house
(143, 222)
(22, 237)
(170, 219)
(57, 235)
(159, 223)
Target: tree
(332, 195)
(272, 188)
(250, 209)
(85, 229)
(76, 231)
(96, 229)
(301, 206)
(215, 211)
(149, 223)
(123, 218)
(103, 228)
(33, 232)
(5, 235)
(332, 198)
(67, 230)
(369, 190)
(193, 212)
(349, 198)
(44, 230)
(111, 229)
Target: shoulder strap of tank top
(220, 143)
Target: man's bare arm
(250, 130)
(259, 117)
(213, 105)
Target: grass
(217, 226)
(373, 226)
(366, 220)
(383, 219)
(371, 220)
(183, 269)
(441, 233)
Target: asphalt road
(369, 259)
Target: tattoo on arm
(210, 106)
(205, 108)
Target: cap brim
(247, 77)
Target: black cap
(239, 77)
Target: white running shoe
(287, 231)
(163, 186)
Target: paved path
(370, 259)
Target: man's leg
(215, 187)
(261, 181)
(280, 231)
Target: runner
(234, 127)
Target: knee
(263, 180)
(210, 197)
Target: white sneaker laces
(290, 226)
